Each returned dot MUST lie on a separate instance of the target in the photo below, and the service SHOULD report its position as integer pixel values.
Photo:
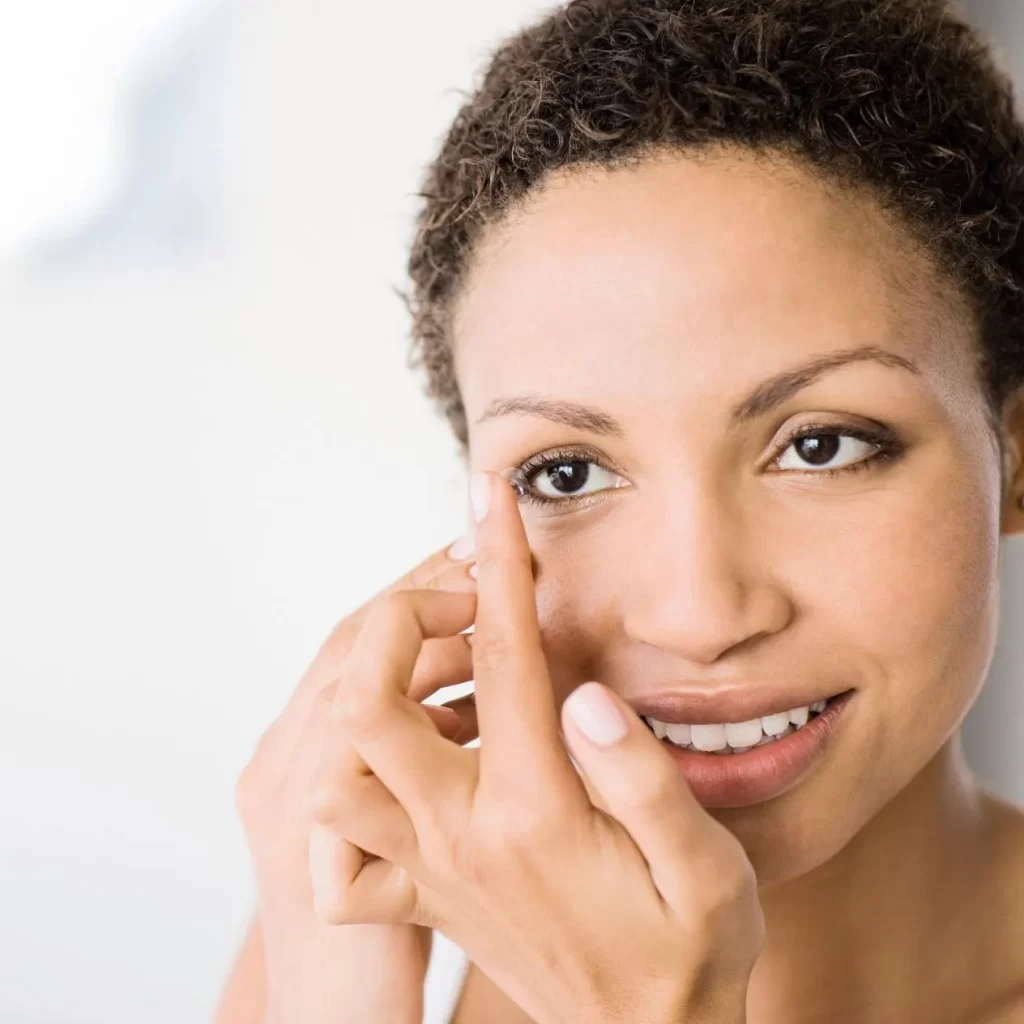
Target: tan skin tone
(661, 296)
(891, 882)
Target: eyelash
(888, 448)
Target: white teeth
(707, 737)
(743, 734)
(798, 716)
(679, 734)
(735, 737)
(774, 724)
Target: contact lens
(517, 479)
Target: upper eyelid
(878, 436)
(578, 453)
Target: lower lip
(758, 774)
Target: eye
(571, 479)
(561, 477)
(816, 448)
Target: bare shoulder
(1006, 819)
(1008, 1008)
(1006, 824)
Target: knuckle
(336, 908)
(250, 792)
(255, 781)
(392, 605)
(356, 710)
(335, 645)
(730, 921)
(724, 891)
(346, 707)
(334, 649)
(327, 803)
(322, 700)
(347, 699)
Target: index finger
(518, 724)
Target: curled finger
(362, 811)
(442, 661)
(349, 888)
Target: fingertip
(516, 479)
(595, 713)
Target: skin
(661, 295)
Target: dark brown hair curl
(899, 96)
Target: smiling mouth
(738, 737)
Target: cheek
(914, 601)
(574, 614)
(911, 604)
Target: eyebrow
(765, 397)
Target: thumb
(635, 778)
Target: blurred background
(212, 446)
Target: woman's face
(708, 551)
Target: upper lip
(701, 706)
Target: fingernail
(472, 570)
(463, 547)
(595, 714)
(479, 495)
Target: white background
(213, 450)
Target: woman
(731, 294)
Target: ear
(1013, 465)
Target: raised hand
(612, 897)
(314, 972)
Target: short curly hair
(899, 96)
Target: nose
(701, 584)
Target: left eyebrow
(765, 397)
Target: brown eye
(564, 476)
(818, 450)
(568, 479)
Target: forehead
(684, 267)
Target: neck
(859, 938)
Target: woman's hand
(314, 972)
(636, 906)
